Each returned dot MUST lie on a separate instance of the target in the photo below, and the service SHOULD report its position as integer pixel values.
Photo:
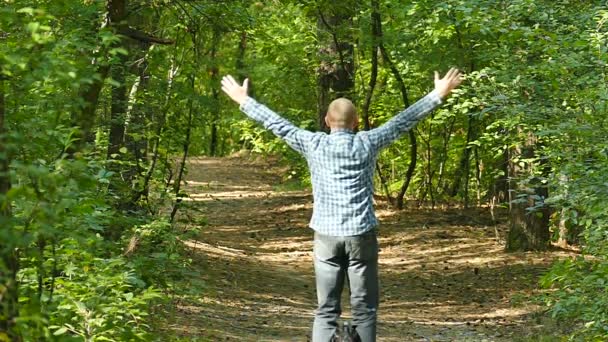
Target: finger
(447, 75)
(226, 82)
(232, 80)
(226, 85)
(246, 84)
(436, 75)
(225, 90)
(457, 79)
(451, 73)
(458, 75)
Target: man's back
(342, 168)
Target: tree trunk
(463, 166)
(412, 135)
(159, 129)
(336, 72)
(410, 168)
(84, 119)
(447, 134)
(9, 266)
(529, 217)
(241, 70)
(500, 185)
(376, 30)
(135, 125)
(186, 145)
(138, 110)
(118, 112)
(214, 71)
(182, 166)
(562, 240)
(376, 27)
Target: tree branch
(144, 37)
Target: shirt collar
(341, 130)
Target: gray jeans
(354, 258)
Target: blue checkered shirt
(342, 164)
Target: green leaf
(60, 331)
(26, 10)
(33, 27)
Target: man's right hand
(445, 85)
(236, 92)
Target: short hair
(342, 113)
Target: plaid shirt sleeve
(384, 135)
(295, 137)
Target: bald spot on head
(341, 114)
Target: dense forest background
(102, 102)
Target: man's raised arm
(384, 135)
(295, 137)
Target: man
(342, 168)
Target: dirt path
(444, 276)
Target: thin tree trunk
(84, 119)
(467, 177)
(462, 169)
(413, 143)
(562, 240)
(412, 135)
(478, 170)
(9, 290)
(500, 185)
(429, 166)
(444, 156)
(118, 110)
(376, 28)
(384, 185)
(186, 146)
(135, 125)
(240, 57)
(409, 174)
(215, 108)
(138, 111)
(376, 38)
(160, 127)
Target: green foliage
(534, 72)
(581, 296)
(155, 252)
(102, 299)
(64, 216)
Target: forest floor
(444, 274)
